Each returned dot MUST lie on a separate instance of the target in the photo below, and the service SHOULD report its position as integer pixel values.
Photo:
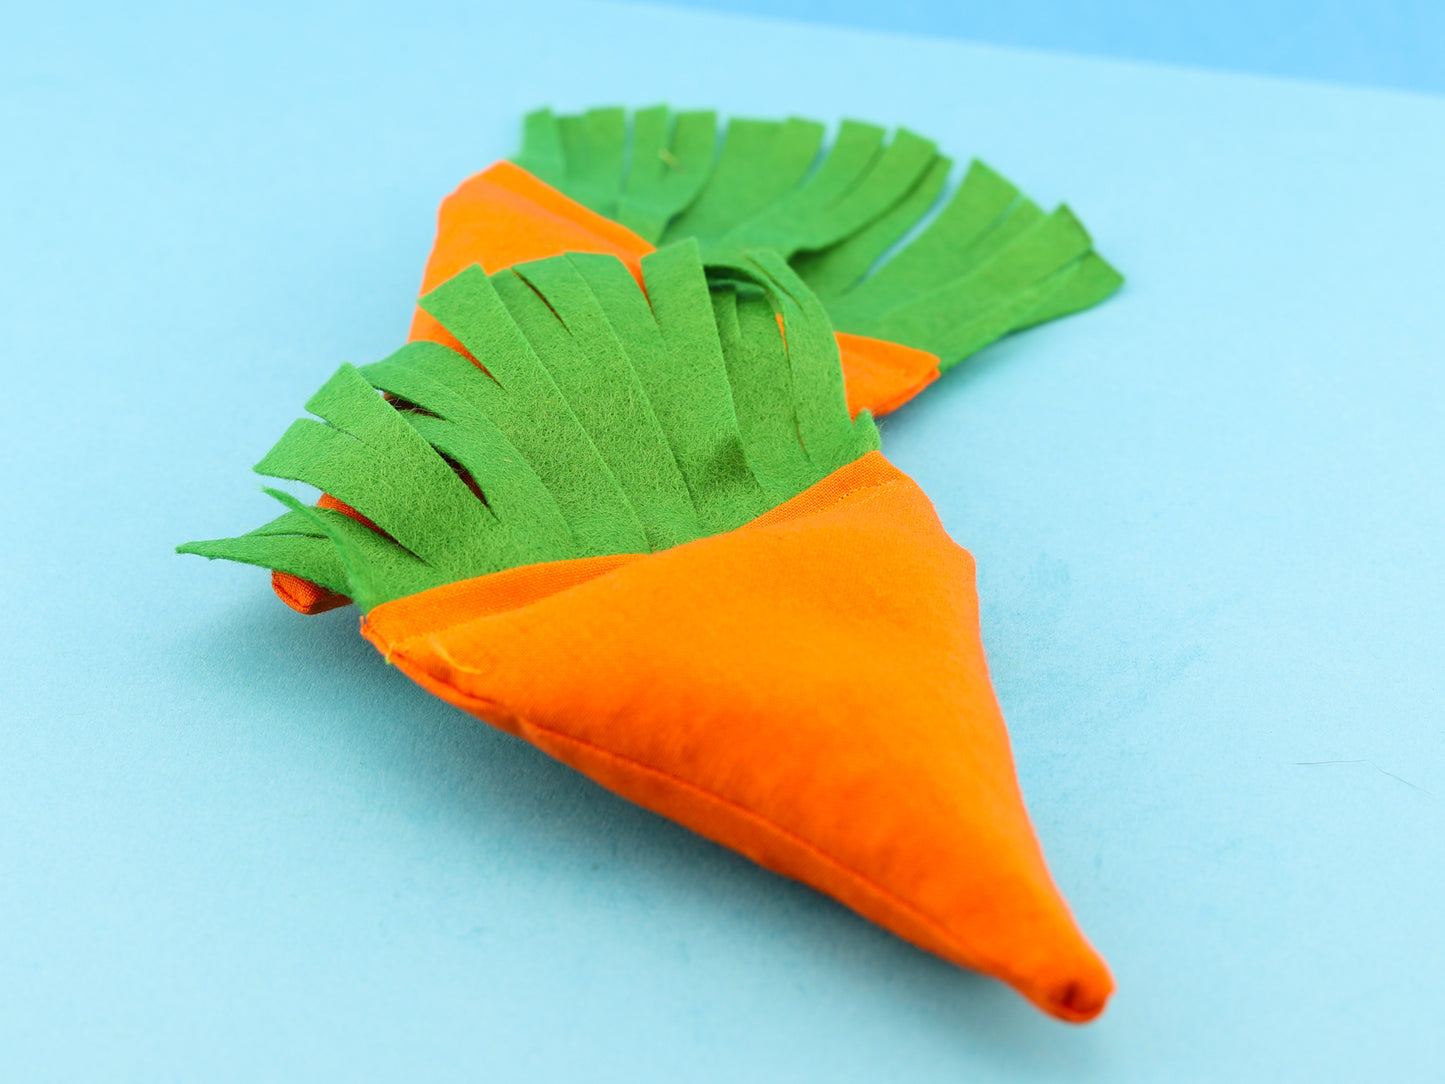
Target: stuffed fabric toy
(616, 501)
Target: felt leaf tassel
(852, 216)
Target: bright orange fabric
(809, 690)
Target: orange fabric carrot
(676, 680)
(645, 534)
(505, 216)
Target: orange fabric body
(809, 689)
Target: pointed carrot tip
(1079, 999)
(1080, 1004)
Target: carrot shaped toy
(616, 504)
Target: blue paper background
(1393, 43)
(1207, 516)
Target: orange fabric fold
(504, 216)
(809, 690)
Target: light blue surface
(1391, 43)
(1208, 519)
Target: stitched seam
(826, 507)
(746, 526)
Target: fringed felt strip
(585, 419)
(990, 261)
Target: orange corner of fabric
(880, 376)
(515, 179)
(504, 216)
(309, 598)
(707, 683)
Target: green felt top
(988, 261)
(605, 420)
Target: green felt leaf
(1080, 286)
(807, 212)
(372, 460)
(565, 324)
(590, 419)
(444, 384)
(377, 568)
(949, 246)
(858, 181)
(687, 382)
(292, 543)
(593, 148)
(760, 376)
(760, 161)
(1004, 277)
(828, 436)
(527, 406)
(842, 265)
(542, 153)
(671, 159)
(852, 218)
